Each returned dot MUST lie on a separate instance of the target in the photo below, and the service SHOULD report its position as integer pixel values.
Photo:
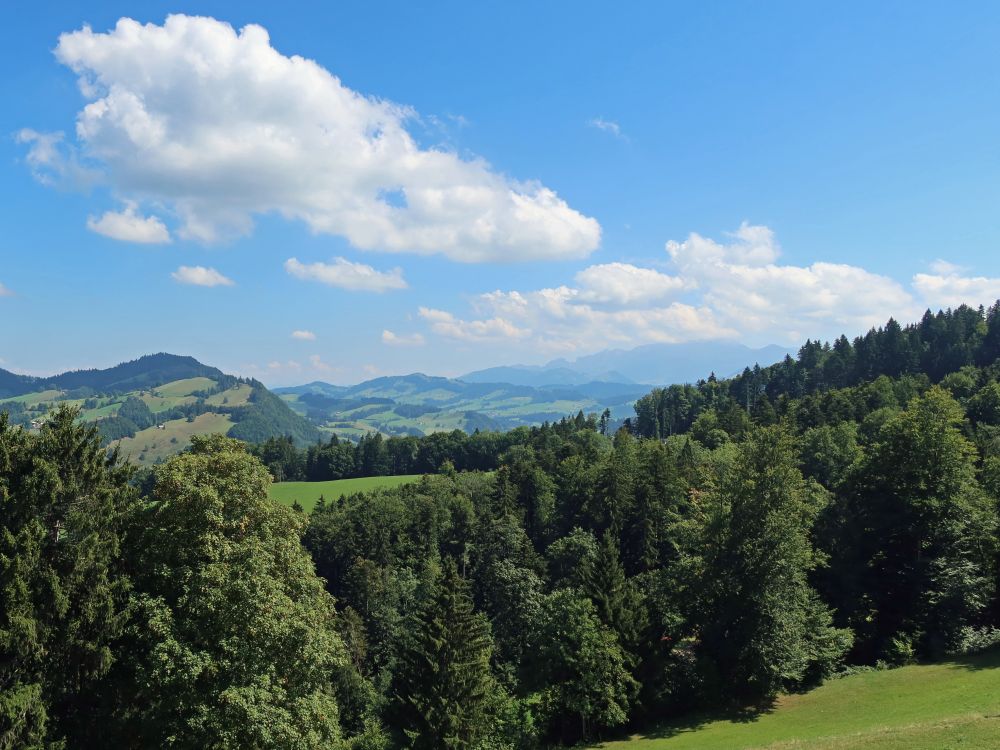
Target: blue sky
(450, 187)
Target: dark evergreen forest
(737, 538)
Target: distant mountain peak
(650, 364)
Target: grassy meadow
(154, 445)
(307, 493)
(921, 707)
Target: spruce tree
(616, 600)
(63, 595)
(443, 679)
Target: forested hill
(145, 372)
(151, 407)
(813, 384)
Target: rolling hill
(146, 372)
(420, 404)
(151, 407)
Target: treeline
(938, 345)
(376, 455)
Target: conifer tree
(63, 596)
(616, 600)
(443, 679)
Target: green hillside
(422, 405)
(923, 707)
(156, 444)
(142, 408)
(307, 493)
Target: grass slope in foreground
(307, 493)
(923, 707)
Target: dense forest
(737, 538)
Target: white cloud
(304, 335)
(948, 288)
(752, 293)
(625, 284)
(344, 274)
(219, 127)
(294, 372)
(751, 246)
(5, 292)
(608, 126)
(394, 339)
(128, 226)
(494, 329)
(946, 268)
(559, 320)
(316, 363)
(201, 276)
(731, 289)
(54, 162)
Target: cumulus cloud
(733, 288)
(751, 292)
(946, 268)
(304, 335)
(200, 276)
(344, 274)
(219, 126)
(494, 329)
(560, 320)
(625, 284)
(947, 287)
(394, 339)
(129, 226)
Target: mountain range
(512, 396)
(652, 364)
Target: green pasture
(307, 493)
(942, 706)
(154, 445)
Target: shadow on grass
(695, 721)
(672, 727)
(986, 660)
